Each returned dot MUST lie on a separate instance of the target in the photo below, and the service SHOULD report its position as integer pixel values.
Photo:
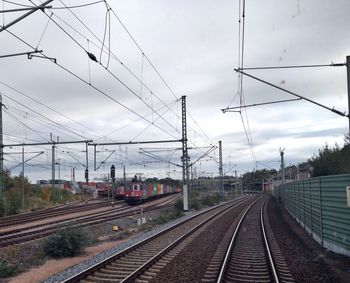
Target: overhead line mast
(185, 159)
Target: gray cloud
(194, 45)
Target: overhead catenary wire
(111, 73)
(42, 35)
(241, 92)
(115, 57)
(193, 119)
(50, 108)
(20, 122)
(38, 113)
(18, 4)
(92, 86)
(151, 64)
(149, 125)
(76, 75)
(107, 24)
(78, 6)
(41, 121)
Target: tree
(331, 161)
(347, 139)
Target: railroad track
(50, 212)
(142, 261)
(253, 254)
(38, 231)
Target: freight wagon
(139, 192)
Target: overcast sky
(194, 47)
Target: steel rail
(97, 266)
(267, 246)
(233, 239)
(149, 263)
(11, 239)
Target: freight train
(139, 191)
(118, 192)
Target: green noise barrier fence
(322, 206)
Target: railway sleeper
(122, 271)
(154, 269)
(103, 275)
(145, 277)
(149, 273)
(248, 267)
(256, 253)
(133, 259)
(252, 264)
(124, 264)
(212, 268)
(211, 277)
(241, 278)
(94, 279)
(249, 272)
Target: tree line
(328, 161)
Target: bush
(2, 208)
(196, 204)
(66, 243)
(179, 205)
(165, 217)
(7, 270)
(13, 202)
(211, 200)
(194, 194)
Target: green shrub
(66, 243)
(13, 201)
(194, 194)
(165, 217)
(196, 204)
(7, 270)
(211, 200)
(179, 205)
(162, 219)
(2, 208)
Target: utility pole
(59, 169)
(124, 178)
(236, 183)
(22, 191)
(1, 154)
(283, 178)
(113, 180)
(348, 78)
(53, 166)
(241, 185)
(220, 172)
(87, 165)
(184, 156)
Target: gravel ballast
(307, 260)
(100, 257)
